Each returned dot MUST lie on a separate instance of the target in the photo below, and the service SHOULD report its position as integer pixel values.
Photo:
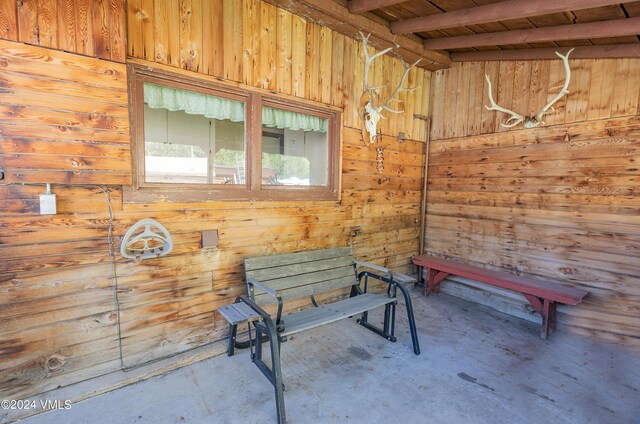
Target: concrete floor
(477, 366)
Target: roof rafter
(602, 29)
(360, 6)
(506, 10)
(611, 51)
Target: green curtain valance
(173, 99)
(278, 118)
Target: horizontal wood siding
(88, 27)
(58, 313)
(560, 202)
(63, 117)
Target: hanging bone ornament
(536, 120)
(372, 110)
(142, 242)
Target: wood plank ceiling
(513, 29)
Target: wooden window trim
(143, 192)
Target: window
(202, 140)
(295, 148)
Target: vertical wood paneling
(8, 21)
(66, 25)
(491, 69)
(89, 27)
(190, 35)
(324, 65)
(312, 71)
(298, 56)
(268, 50)
(283, 46)
(48, 23)
(233, 39)
(618, 96)
(632, 105)
(599, 89)
(606, 93)
(213, 54)
(337, 70)
(84, 26)
(505, 92)
(251, 41)
(118, 29)
(101, 27)
(28, 21)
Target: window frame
(141, 191)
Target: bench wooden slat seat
(332, 312)
(272, 280)
(237, 313)
(542, 295)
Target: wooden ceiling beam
(602, 29)
(361, 6)
(506, 10)
(612, 51)
(337, 17)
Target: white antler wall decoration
(536, 120)
(372, 111)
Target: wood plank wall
(58, 310)
(63, 118)
(560, 202)
(89, 27)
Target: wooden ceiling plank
(337, 17)
(581, 52)
(602, 29)
(506, 10)
(360, 6)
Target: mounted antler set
(536, 120)
(372, 111)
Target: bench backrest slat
(301, 274)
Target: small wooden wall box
(209, 239)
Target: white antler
(548, 108)
(533, 121)
(517, 118)
(372, 112)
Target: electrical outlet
(48, 204)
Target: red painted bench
(542, 295)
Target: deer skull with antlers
(372, 110)
(536, 120)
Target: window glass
(192, 138)
(295, 148)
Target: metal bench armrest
(255, 283)
(262, 287)
(376, 267)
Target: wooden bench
(273, 280)
(542, 295)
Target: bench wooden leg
(434, 278)
(548, 318)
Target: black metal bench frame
(268, 329)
